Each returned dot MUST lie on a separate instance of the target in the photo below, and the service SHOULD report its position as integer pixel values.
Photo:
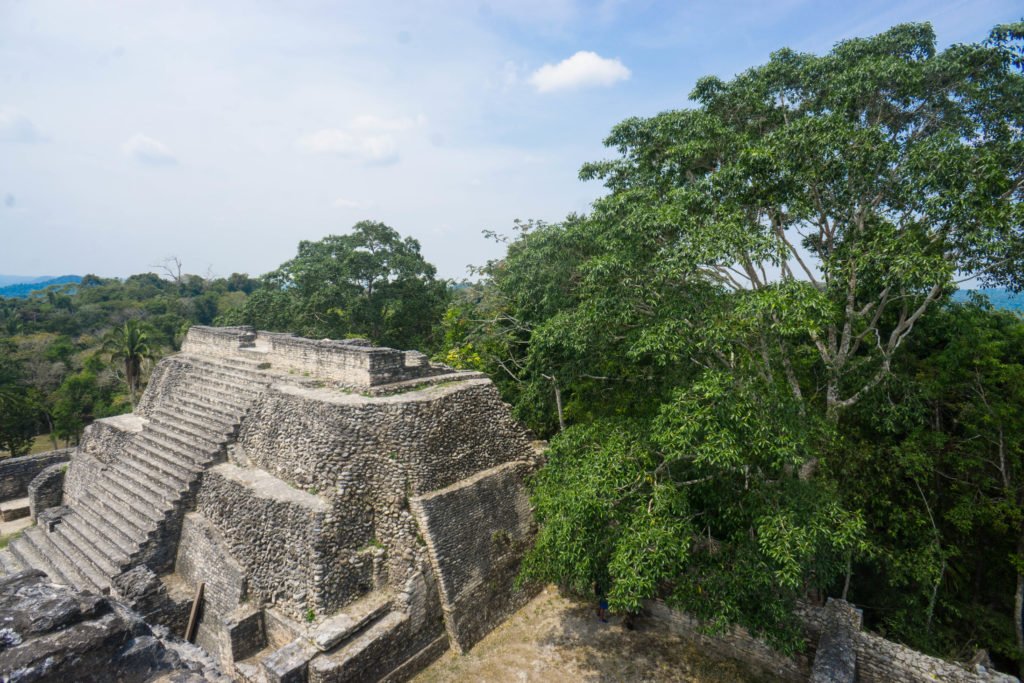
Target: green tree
(369, 282)
(758, 265)
(129, 346)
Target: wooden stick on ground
(193, 617)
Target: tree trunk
(558, 405)
(1018, 611)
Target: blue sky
(224, 132)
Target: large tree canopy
(370, 282)
(753, 275)
(838, 197)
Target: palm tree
(129, 344)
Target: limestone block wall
(477, 531)
(17, 473)
(438, 435)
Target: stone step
(168, 457)
(179, 449)
(136, 507)
(227, 384)
(116, 515)
(230, 394)
(66, 562)
(85, 557)
(162, 486)
(248, 367)
(201, 398)
(124, 538)
(181, 419)
(134, 494)
(114, 557)
(179, 432)
(28, 555)
(351, 659)
(182, 405)
(9, 564)
(354, 619)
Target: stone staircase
(120, 521)
(344, 642)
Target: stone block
(290, 663)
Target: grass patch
(40, 444)
(6, 540)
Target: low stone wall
(476, 532)
(16, 473)
(835, 633)
(352, 362)
(47, 489)
(881, 661)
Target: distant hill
(23, 289)
(1000, 298)
(23, 279)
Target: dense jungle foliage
(757, 384)
(759, 387)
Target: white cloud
(146, 150)
(369, 139)
(583, 69)
(16, 127)
(342, 203)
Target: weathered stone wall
(82, 470)
(882, 661)
(47, 489)
(836, 629)
(477, 531)
(17, 473)
(273, 531)
(438, 435)
(352, 362)
(106, 439)
(205, 557)
(396, 647)
(166, 377)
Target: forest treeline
(756, 384)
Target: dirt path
(556, 639)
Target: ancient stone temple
(347, 512)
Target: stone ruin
(335, 511)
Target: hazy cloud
(584, 69)
(369, 139)
(343, 203)
(16, 127)
(146, 150)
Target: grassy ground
(40, 444)
(555, 639)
